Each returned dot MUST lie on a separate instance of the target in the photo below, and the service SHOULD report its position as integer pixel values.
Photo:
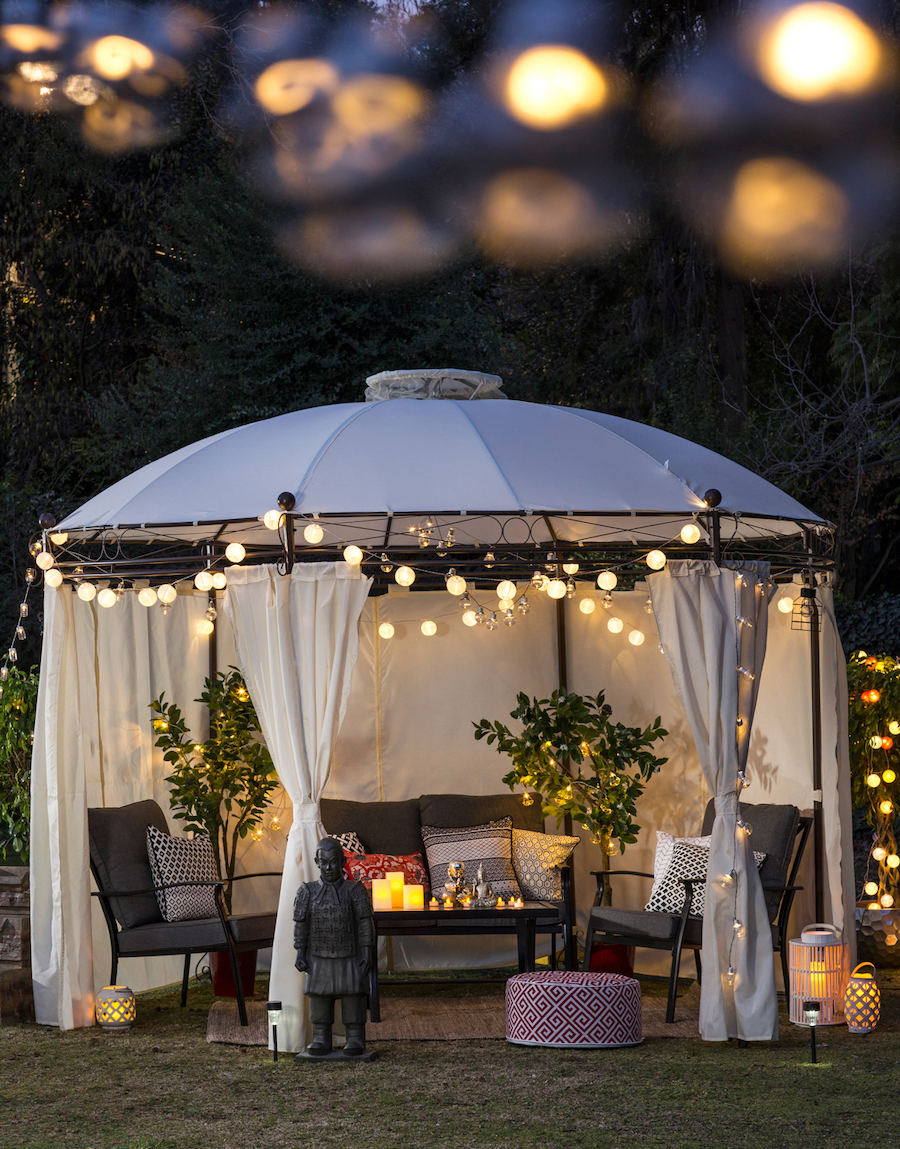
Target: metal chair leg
(784, 971)
(553, 951)
(673, 984)
(588, 946)
(184, 980)
(699, 967)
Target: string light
(635, 637)
(386, 630)
(469, 618)
(615, 625)
(235, 553)
(655, 560)
(506, 589)
(523, 606)
(556, 588)
(86, 591)
(353, 556)
(491, 623)
(428, 628)
(456, 584)
(272, 519)
(203, 580)
(587, 606)
(690, 533)
(786, 604)
(313, 533)
(405, 576)
(607, 580)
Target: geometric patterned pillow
(489, 844)
(536, 858)
(687, 862)
(350, 842)
(665, 844)
(180, 860)
(364, 867)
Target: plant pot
(222, 979)
(612, 959)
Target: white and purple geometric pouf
(573, 1010)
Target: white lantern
(690, 533)
(816, 973)
(45, 560)
(655, 560)
(616, 625)
(606, 580)
(386, 630)
(203, 580)
(506, 603)
(207, 626)
(587, 606)
(570, 568)
(469, 617)
(313, 533)
(429, 628)
(147, 596)
(272, 519)
(405, 576)
(107, 598)
(506, 589)
(53, 578)
(635, 637)
(219, 580)
(235, 553)
(167, 593)
(786, 604)
(60, 539)
(456, 584)
(353, 556)
(556, 588)
(86, 591)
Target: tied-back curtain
(297, 639)
(712, 625)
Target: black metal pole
(562, 664)
(275, 1043)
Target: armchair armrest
(602, 875)
(151, 889)
(773, 886)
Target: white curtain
(297, 640)
(712, 623)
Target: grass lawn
(161, 1086)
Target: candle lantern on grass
(817, 974)
(115, 1007)
(862, 1001)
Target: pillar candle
(414, 897)
(381, 894)
(397, 879)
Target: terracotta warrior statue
(333, 935)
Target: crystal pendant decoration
(386, 565)
(212, 614)
(30, 574)
(12, 654)
(570, 589)
(479, 615)
(23, 610)
(20, 632)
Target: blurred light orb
(506, 603)
(615, 625)
(873, 781)
(655, 560)
(235, 553)
(353, 556)
(428, 627)
(37, 72)
(167, 593)
(819, 51)
(147, 596)
(313, 533)
(570, 568)
(871, 888)
(786, 604)
(536, 215)
(469, 618)
(556, 588)
(377, 105)
(405, 576)
(879, 853)
(289, 85)
(53, 578)
(552, 86)
(30, 38)
(893, 861)
(272, 520)
(636, 637)
(115, 56)
(506, 589)
(587, 606)
(84, 90)
(782, 211)
(113, 125)
(219, 580)
(386, 630)
(606, 580)
(207, 626)
(690, 533)
(889, 777)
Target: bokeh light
(552, 85)
(289, 85)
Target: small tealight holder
(434, 904)
(448, 903)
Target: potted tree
(18, 702)
(220, 787)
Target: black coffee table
(460, 920)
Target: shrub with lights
(874, 762)
(608, 763)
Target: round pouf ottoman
(573, 1010)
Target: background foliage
(17, 710)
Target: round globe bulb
(894, 727)
(875, 741)
(887, 900)
(879, 853)
(889, 776)
(53, 578)
(570, 568)
(616, 625)
(206, 627)
(587, 606)
(871, 888)
(556, 588)
(219, 580)
(886, 807)
(786, 604)
(86, 591)
(405, 576)
(506, 603)
(167, 593)
(873, 780)
(107, 598)
(690, 534)
(386, 630)
(887, 743)
(353, 556)
(235, 553)
(313, 533)
(655, 560)
(635, 637)
(469, 618)
(45, 560)
(272, 519)
(147, 596)
(506, 589)
(203, 580)
(456, 584)
(606, 580)
(893, 861)
(874, 696)
(428, 627)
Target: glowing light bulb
(690, 533)
(785, 604)
(892, 861)
(59, 540)
(879, 853)
(456, 584)
(219, 580)
(655, 560)
(107, 598)
(469, 618)
(506, 603)
(167, 594)
(819, 51)
(386, 630)
(886, 807)
(570, 568)
(587, 606)
(871, 888)
(875, 742)
(405, 576)
(874, 696)
(45, 560)
(606, 580)
(313, 533)
(235, 553)
(887, 900)
(147, 596)
(556, 588)
(203, 580)
(887, 743)
(115, 56)
(206, 626)
(873, 780)
(615, 625)
(889, 776)
(552, 86)
(635, 637)
(353, 556)
(506, 589)
(428, 627)
(53, 578)
(86, 591)
(272, 519)
(894, 727)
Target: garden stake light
(273, 1009)
(811, 1009)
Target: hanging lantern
(862, 1001)
(816, 967)
(115, 1007)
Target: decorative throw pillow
(536, 858)
(665, 843)
(489, 844)
(364, 867)
(350, 842)
(687, 862)
(180, 860)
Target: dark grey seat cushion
(206, 933)
(449, 810)
(645, 924)
(383, 827)
(118, 845)
(774, 834)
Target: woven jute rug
(440, 1018)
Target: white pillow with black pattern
(182, 860)
(350, 842)
(687, 862)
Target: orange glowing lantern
(115, 1007)
(816, 966)
(862, 1001)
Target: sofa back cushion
(383, 827)
(118, 844)
(447, 810)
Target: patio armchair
(778, 831)
(127, 893)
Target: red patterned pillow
(364, 867)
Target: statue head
(330, 860)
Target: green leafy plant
(220, 787)
(610, 763)
(18, 703)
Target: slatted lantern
(816, 964)
(862, 1001)
(115, 1007)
